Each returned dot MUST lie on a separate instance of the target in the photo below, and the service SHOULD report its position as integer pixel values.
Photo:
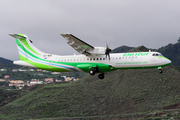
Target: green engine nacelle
(101, 67)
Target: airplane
(93, 59)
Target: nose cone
(168, 61)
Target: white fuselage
(117, 60)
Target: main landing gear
(101, 76)
(94, 70)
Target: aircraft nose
(168, 61)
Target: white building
(22, 70)
(2, 69)
(31, 70)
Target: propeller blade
(107, 52)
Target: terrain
(121, 92)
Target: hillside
(130, 91)
(172, 51)
(5, 62)
(7, 96)
(122, 49)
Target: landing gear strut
(94, 71)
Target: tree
(178, 40)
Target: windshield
(157, 54)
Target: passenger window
(91, 59)
(103, 58)
(100, 58)
(94, 58)
(119, 57)
(97, 58)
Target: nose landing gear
(160, 69)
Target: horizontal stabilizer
(17, 36)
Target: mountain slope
(120, 92)
(122, 49)
(172, 51)
(5, 62)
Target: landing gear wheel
(160, 71)
(101, 76)
(92, 72)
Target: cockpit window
(156, 54)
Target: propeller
(108, 50)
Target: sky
(152, 23)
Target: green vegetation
(140, 48)
(172, 52)
(122, 49)
(4, 63)
(130, 91)
(4, 95)
(24, 75)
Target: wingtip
(65, 34)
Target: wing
(79, 45)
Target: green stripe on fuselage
(43, 66)
(104, 67)
(163, 57)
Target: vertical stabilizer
(25, 47)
